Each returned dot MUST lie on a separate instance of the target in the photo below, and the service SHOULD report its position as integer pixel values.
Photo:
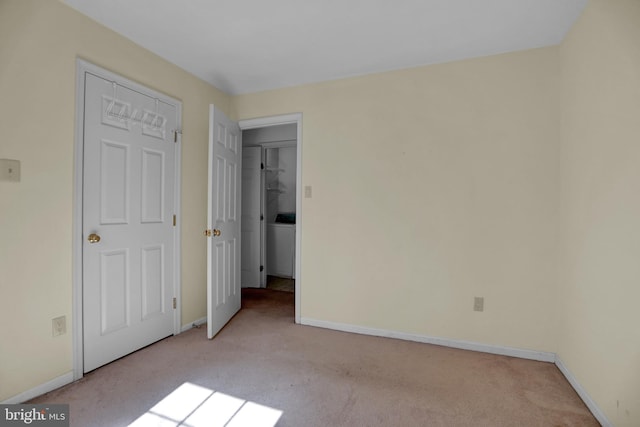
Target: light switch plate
(307, 191)
(10, 170)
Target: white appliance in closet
(281, 254)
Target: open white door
(223, 221)
(251, 207)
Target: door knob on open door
(93, 238)
(216, 232)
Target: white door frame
(82, 67)
(296, 118)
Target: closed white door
(224, 210)
(128, 225)
(251, 207)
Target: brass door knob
(215, 232)
(93, 238)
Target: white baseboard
(541, 356)
(68, 377)
(41, 389)
(198, 322)
(464, 345)
(595, 410)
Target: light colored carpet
(281, 284)
(320, 377)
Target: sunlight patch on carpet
(191, 405)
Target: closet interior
(277, 175)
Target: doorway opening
(271, 204)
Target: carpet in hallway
(281, 284)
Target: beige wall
(39, 43)
(600, 275)
(431, 186)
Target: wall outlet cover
(9, 170)
(59, 325)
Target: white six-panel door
(224, 210)
(128, 228)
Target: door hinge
(261, 217)
(175, 303)
(174, 220)
(175, 134)
(261, 267)
(261, 165)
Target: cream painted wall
(431, 186)
(39, 43)
(600, 276)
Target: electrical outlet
(59, 325)
(9, 170)
(478, 304)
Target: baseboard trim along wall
(68, 377)
(595, 410)
(198, 322)
(55, 383)
(541, 356)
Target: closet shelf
(274, 169)
(276, 190)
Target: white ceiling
(243, 46)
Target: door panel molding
(82, 69)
